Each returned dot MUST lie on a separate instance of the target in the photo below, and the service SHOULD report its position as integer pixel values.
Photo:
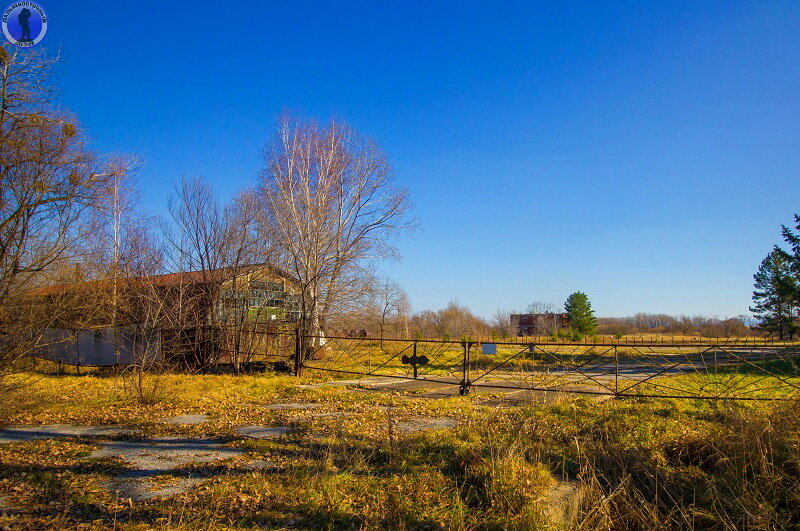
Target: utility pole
(115, 267)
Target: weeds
(146, 385)
(640, 464)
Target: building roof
(186, 278)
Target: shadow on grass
(788, 366)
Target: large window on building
(266, 295)
(258, 297)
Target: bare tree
(456, 321)
(49, 181)
(122, 240)
(195, 242)
(197, 234)
(242, 247)
(389, 306)
(147, 312)
(501, 322)
(541, 307)
(331, 210)
(547, 321)
(218, 242)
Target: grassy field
(641, 464)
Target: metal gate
(715, 371)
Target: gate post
(414, 355)
(715, 361)
(298, 363)
(464, 386)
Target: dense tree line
(675, 325)
(452, 322)
(457, 320)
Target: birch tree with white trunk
(331, 208)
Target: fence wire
(701, 371)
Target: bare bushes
(147, 384)
(145, 380)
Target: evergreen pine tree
(774, 294)
(793, 240)
(581, 315)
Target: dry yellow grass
(649, 463)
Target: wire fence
(737, 369)
(714, 371)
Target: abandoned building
(538, 324)
(192, 318)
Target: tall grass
(642, 464)
(725, 466)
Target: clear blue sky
(643, 152)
